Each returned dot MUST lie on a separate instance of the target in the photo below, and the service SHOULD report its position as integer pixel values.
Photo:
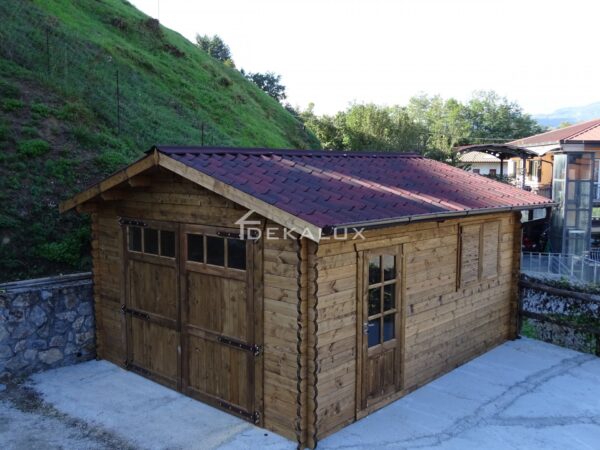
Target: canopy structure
(502, 152)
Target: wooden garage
(301, 290)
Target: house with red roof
(566, 168)
(580, 137)
(301, 290)
(561, 164)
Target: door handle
(366, 328)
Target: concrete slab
(522, 395)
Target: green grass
(12, 104)
(61, 130)
(33, 148)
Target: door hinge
(135, 313)
(254, 417)
(256, 350)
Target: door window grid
(216, 251)
(151, 241)
(381, 299)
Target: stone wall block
(45, 323)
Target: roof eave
(438, 216)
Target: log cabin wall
(446, 321)
(285, 334)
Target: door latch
(366, 328)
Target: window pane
(215, 250)
(195, 247)
(374, 270)
(167, 243)
(374, 332)
(135, 239)
(151, 241)
(388, 327)
(389, 297)
(236, 254)
(374, 301)
(389, 267)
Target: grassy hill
(85, 87)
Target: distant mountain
(572, 114)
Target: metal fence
(582, 269)
(594, 255)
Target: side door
(381, 339)
(220, 350)
(151, 308)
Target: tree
(365, 127)
(268, 82)
(215, 47)
(428, 124)
(496, 119)
(445, 123)
(325, 128)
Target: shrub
(74, 112)
(40, 110)
(11, 104)
(33, 148)
(69, 250)
(8, 221)
(109, 161)
(61, 170)
(8, 89)
(225, 81)
(3, 132)
(85, 136)
(29, 132)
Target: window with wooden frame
(227, 252)
(151, 241)
(479, 252)
(382, 299)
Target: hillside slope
(87, 86)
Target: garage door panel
(153, 288)
(154, 348)
(218, 305)
(220, 372)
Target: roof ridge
(198, 150)
(585, 130)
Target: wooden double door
(189, 312)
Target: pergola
(502, 152)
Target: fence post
(519, 310)
(118, 104)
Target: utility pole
(118, 104)
(48, 50)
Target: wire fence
(129, 102)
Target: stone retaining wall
(560, 305)
(45, 323)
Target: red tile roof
(343, 188)
(585, 131)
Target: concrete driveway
(522, 395)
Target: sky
(542, 54)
